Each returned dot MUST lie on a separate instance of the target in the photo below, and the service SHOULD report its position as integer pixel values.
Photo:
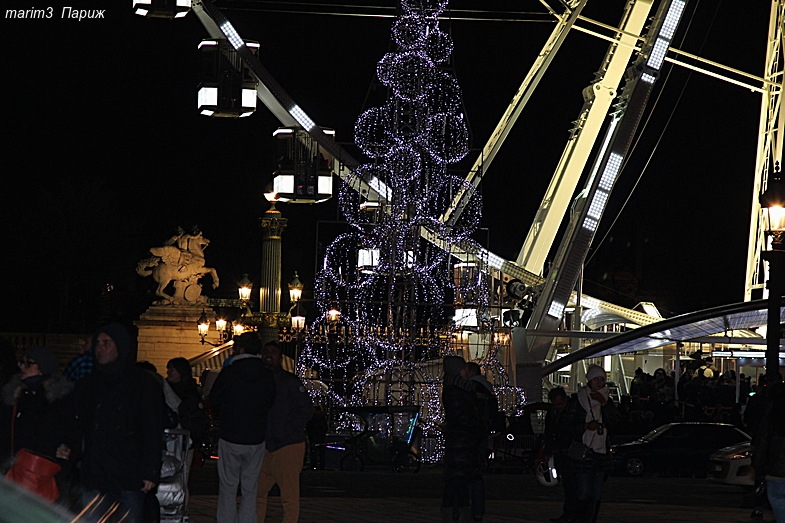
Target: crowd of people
(90, 438)
(701, 394)
(577, 427)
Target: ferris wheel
(594, 152)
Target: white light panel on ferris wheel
(231, 34)
(668, 28)
(302, 118)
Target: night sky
(105, 154)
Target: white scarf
(593, 409)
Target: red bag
(35, 473)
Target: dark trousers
(569, 482)
(99, 504)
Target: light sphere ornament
(404, 164)
(444, 93)
(371, 134)
(408, 31)
(350, 203)
(438, 45)
(447, 137)
(410, 76)
(384, 68)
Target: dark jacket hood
(122, 340)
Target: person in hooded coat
(37, 411)
(120, 413)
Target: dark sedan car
(675, 448)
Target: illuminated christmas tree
(387, 297)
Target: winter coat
(191, 410)
(241, 398)
(42, 411)
(768, 454)
(577, 415)
(558, 433)
(120, 410)
(465, 425)
(290, 412)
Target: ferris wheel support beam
(771, 131)
(565, 22)
(598, 99)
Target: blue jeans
(775, 490)
(588, 484)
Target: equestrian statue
(179, 261)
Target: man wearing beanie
(120, 411)
(590, 413)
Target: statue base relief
(169, 331)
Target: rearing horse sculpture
(182, 264)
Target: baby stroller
(172, 490)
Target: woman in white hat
(591, 412)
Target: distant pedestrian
(241, 398)
(558, 435)
(316, 429)
(488, 409)
(753, 417)
(591, 413)
(82, 364)
(285, 441)
(190, 411)
(464, 430)
(768, 458)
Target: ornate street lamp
(772, 203)
(227, 329)
(203, 324)
(295, 290)
(244, 289)
(221, 325)
(295, 294)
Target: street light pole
(772, 203)
(776, 285)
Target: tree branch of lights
(396, 292)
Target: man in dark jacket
(285, 443)
(465, 428)
(557, 438)
(241, 398)
(119, 407)
(488, 408)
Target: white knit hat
(594, 371)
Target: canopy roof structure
(732, 324)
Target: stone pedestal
(169, 331)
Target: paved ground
(381, 496)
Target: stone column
(272, 224)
